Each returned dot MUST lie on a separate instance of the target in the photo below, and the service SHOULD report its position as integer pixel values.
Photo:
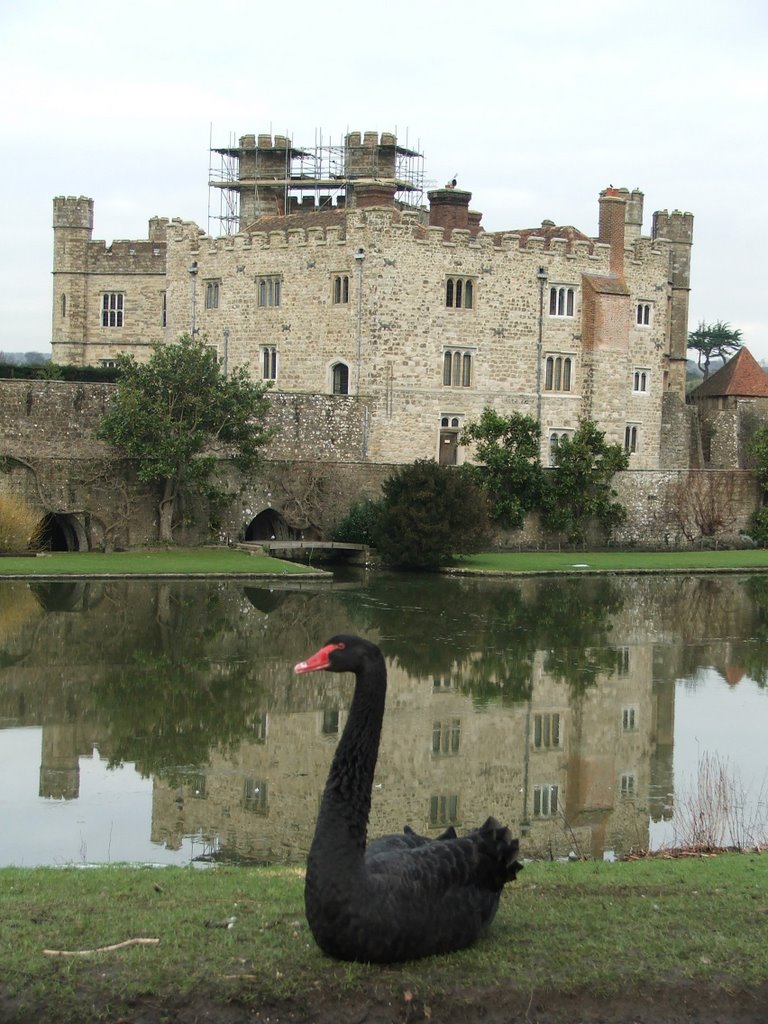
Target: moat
(162, 722)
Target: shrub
(759, 527)
(359, 524)
(19, 524)
(430, 513)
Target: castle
(332, 278)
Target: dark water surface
(161, 721)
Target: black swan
(405, 896)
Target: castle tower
(60, 764)
(634, 214)
(677, 229)
(370, 167)
(72, 232)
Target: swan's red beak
(318, 660)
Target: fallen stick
(101, 949)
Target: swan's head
(341, 653)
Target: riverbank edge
(694, 563)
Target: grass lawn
(221, 561)
(754, 559)
(153, 562)
(237, 937)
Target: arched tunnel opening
(270, 525)
(62, 532)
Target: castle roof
(741, 377)
(317, 218)
(547, 231)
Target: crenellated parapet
(675, 226)
(73, 212)
(127, 256)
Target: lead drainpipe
(359, 257)
(541, 277)
(193, 279)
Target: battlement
(73, 212)
(675, 226)
(265, 142)
(370, 139)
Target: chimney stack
(612, 226)
(449, 209)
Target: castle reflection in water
(549, 703)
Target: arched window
(268, 362)
(561, 300)
(459, 293)
(447, 366)
(640, 382)
(340, 379)
(212, 295)
(557, 373)
(630, 438)
(341, 289)
(643, 314)
(269, 290)
(457, 368)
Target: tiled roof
(545, 231)
(301, 219)
(741, 377)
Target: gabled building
(337, 279)
(731, 403)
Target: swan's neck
(347, 797)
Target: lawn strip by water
(183, 562)
(239, 934)
(514, 562)
(221, 561)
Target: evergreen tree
(429, 514)
(713, 341)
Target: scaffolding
(291, 177)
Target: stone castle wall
(313, 472)
(363, 292)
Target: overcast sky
(536, 107)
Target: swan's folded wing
(485, 859)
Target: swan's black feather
(405, 895)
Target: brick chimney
(612, 225)
(449, 209)
(370, 193)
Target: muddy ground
(682, 1004)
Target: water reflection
(550, 703)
